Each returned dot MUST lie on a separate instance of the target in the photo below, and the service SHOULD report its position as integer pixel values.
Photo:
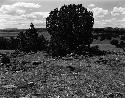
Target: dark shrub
(13, 43)
(70, 29)
(102, 38)
(28, 40)
(108, 37)
(41, 43)
(96, 51)
(95, 37)
(121, 45)
(114, 42)
(4, 43)
(122, 38)
(5, 59)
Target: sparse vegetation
(100, 75)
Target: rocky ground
(81, 77)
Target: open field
(81, 77)
(8, 34)
(13, 33)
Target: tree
(70, 29)
(27, 41)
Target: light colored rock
(27, 96)
(9, 86)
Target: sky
(20, 13)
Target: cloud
(2, 20)
(99, 24)
(99, 12)
(17, 8)
(117, 11)
(13, 15)
(20, 11)
(91, 5)
(113, 22)
(36, 15)
(123, 20)
(23, 21)
(109, 20)
(43, 14)
(27, 5)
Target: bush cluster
(8, 43)
(29, 41)
(118, 44)
(70, 28)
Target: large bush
(70, 29)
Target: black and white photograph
(62, 48)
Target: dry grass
(92, 77)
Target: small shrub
(95, 37)
(5, 59)
(122, 44)
(122, 38)
(95, 47)
(102, 38)
(108, 37)
(114, 42)
(96, 51)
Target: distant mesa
(11, 29)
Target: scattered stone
(36, 95)
(71, 68)
(36, 62)
(115, 95)
(28, 85)
(25, 62)
(9, 86)
(27, 96)
(102, 61)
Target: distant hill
(19, 30)
(43, 31)
(15, 32)
(11, 29)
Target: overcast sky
(20, 13)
